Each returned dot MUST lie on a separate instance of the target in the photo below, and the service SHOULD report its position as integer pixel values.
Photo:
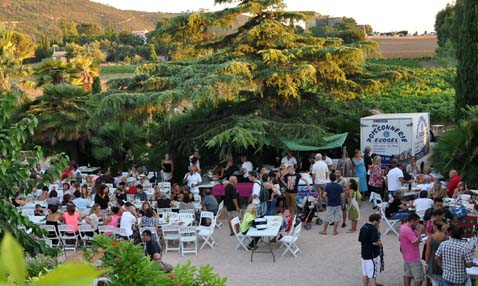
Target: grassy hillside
(34, 17)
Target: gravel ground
(325, 260)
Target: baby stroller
(306, 210)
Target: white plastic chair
(421, 214)
(122, 233)
(389, 222)
(69, 239)
(170, 233)
(186, 217)
(206, 232)
(85, 231)
(197, 198)
(187, 211)
(52, 235)
(241, 238)
(218, 215)
(107, 230)
(289, 241)
(188, 241)
(375, 199)
(28, 211)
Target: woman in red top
(72, 217)
(376, 176)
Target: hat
(283, 166)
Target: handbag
(459, 212)
(358, 196)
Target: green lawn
(117, 69)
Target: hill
(406, 47)
(34, 17)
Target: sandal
(322, 232)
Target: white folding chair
(389, 222)
(186, 217)
(421, 213)
(173, 216)
(375, 199)
(69, 239)
(107, 230)
(206, 232)
(123, 234)
(218, 215)
(165, 187)
(241, 238)
(289, 241)
(28, 211)
(86, 233)
(170, 233)
(187, 211)
(52, 235)
(197, 198)
(188, 241)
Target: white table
(272, 230)
(208, 185)
(39, 220)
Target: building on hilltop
(142, 34)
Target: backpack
(264, 193)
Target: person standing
(333, 196)
(289, 159)
(353, 206)
(369, 238)
(167, 168)
(360, 172)
(434, 272)
(395, 178)
(291, 181)
(454, 256)
(231, 201)
(376, 176)
(246, 168)
(193, 180)
(320, 174)
(410, 237)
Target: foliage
(15, 165)
(467, 55)
(129, 266)
(13, 269)
(457, 148)
(52, 72)
(62, 113)
(447, 26)
(96, 88)
(43, 50)
(346, 30)
(40, 264)
(14, 49)
(117, 69)
(90, 50)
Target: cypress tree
(467, 55)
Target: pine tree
(152, 54)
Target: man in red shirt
(453, 184)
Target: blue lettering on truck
(385, 138)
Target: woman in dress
(360, 172)
(353, 206)
(167, 168)
(376, 176)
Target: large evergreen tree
(467, 54)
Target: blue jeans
(271, 205)
(400, 215)
(446, 283)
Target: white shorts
(371, 267)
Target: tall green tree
(15, 165)
(467, 55)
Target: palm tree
(11, 59)
(87, 71)
(57, 72)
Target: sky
(382, 15)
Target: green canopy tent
(331, 142)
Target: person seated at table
(17, 201)
(95, 216)
(121, 191)
(156, 194)
(149, 219)
(216, 172)
(187, 193)
(66, 199)
(210, 202)
(43, 195)
(437, 215)
(113, 217)
(396, 209)
(146, 206)
(247, 220)
(54, 217)
(175, 192)
(53, 198)
(186, 204)
(423, 202)
(437, 191)
(449, 217)
(426, 176)
(89, 182)
(102, 196)
(66, 188)
(163, 201)
(144, 181)
(285, 226)
(227, 169)
(72, 216)
(151, 245)
(140, 194)
(462, 189)
(85, 193)
(80, 202)
(166, 267)
(38, 210)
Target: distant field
(406, 47)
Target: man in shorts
(231, 197)
(333, 196)
(410, 237)
(370, 253)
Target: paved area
(326, 260)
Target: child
(38, 210)
(286, 225)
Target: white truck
(396, 135)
